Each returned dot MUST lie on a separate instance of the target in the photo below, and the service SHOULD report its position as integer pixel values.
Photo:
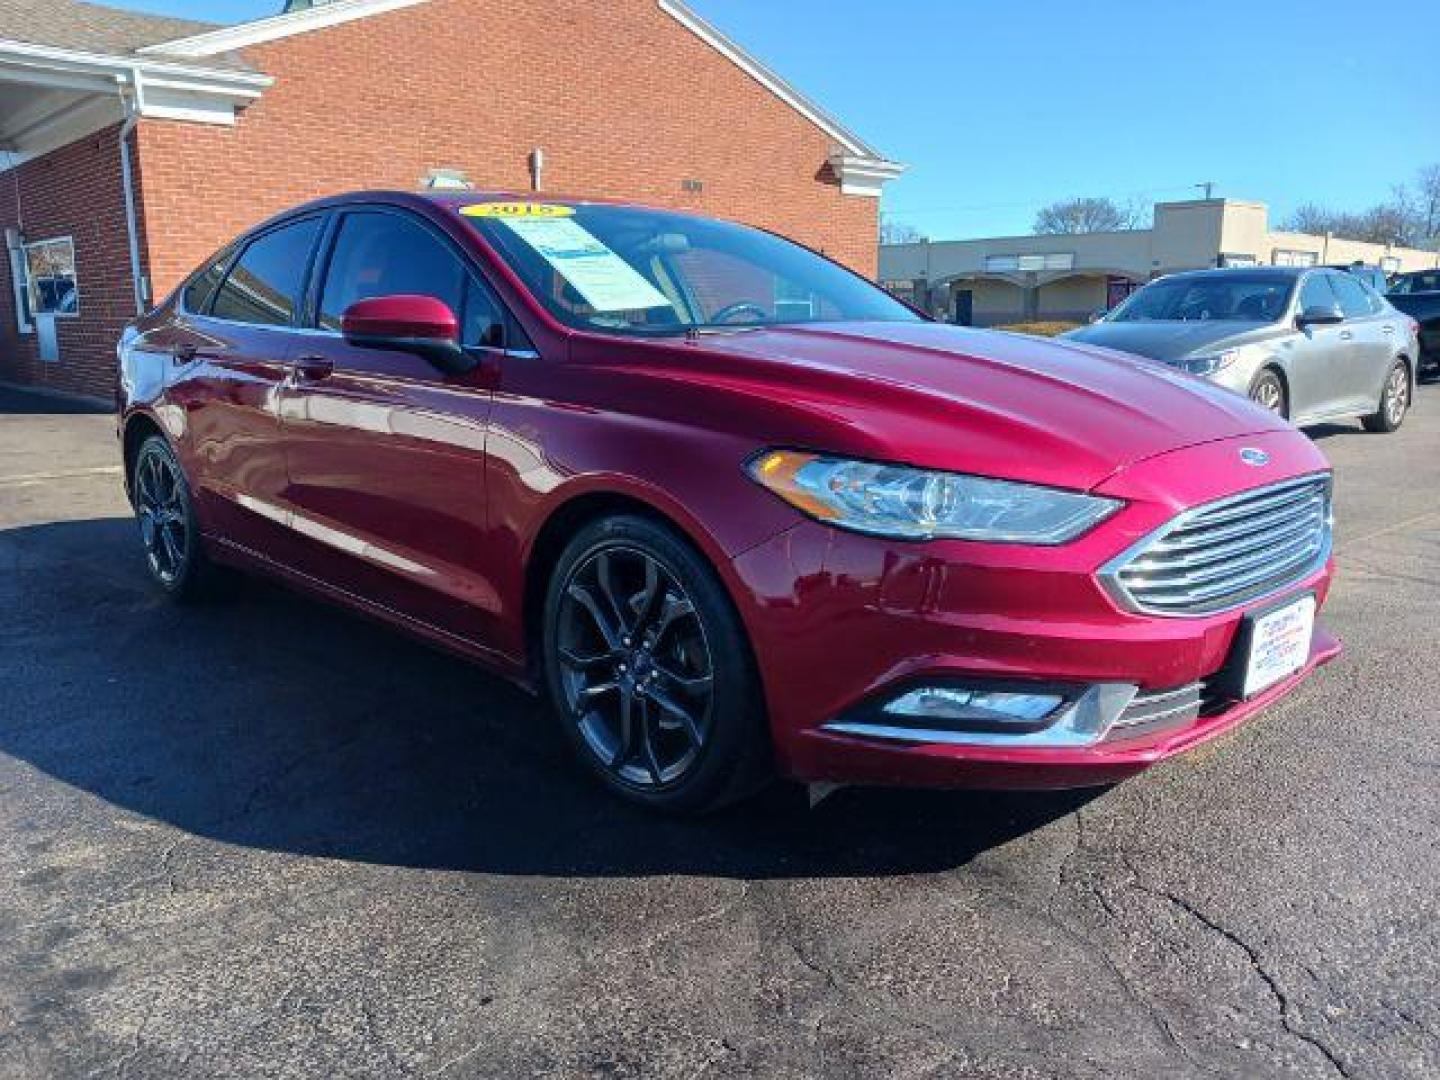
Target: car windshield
(1417, 283)
(635, 271)
(1221, 298)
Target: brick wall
(623, 99)
(74, 191)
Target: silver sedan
(1310, 344)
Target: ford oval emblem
(1253, 456)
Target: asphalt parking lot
(269, 839)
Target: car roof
(1279, 273)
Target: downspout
(133, 103)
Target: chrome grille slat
(1185, 539)
(1167, 708)
(1204, 556)
(1247, 588)
(1223, 554)
(1235, 567)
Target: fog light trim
(1081, 719)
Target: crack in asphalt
(1282, 999)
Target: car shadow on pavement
(276, 722)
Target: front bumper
(841, 621)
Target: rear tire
(1394, 401)
(1268, 391)
(649, 672)
(169, 531)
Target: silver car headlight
(1210, 363)
(918, 504)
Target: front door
(386, 454)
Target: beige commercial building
(1070, 277)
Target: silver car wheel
(1397, 395)
(1269, 396)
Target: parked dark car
(1418, 295)
(734, 509)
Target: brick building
(133, 145)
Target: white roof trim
(26, 62)
(862, 175)
(851, 143)
(275, 27)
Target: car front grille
(1227, 553)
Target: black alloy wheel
(648, 669)
(166, 516)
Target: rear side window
(1353, 301)
(378, 254)
(264, 286)
(202, 286)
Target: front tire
(1268, 392)
(649, 671)
(169, 532)
(1394, 402)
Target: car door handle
(185, 353)
(1387, 329)
(313, 368)
(1346, 335)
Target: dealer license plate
(1279, 644)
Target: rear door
(386, 454)
(231, 344)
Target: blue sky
(999, 108)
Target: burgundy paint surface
(418, 497)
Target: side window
(482, 323)
(1353, 301)
(378, 254)
(263, 286)
(1317, 292)
(201, 287)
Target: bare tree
(1410, 217)
(1085, 216)
(897, 232)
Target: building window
(1232, 259)
(1291, 257)
(1058, 260)
(50, 273)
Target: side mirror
(1320, 315)
(421, 325)
(1098, 315)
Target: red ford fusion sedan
(734, 510)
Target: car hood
(1169, 341)
(996, 404)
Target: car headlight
(1210, 363)
(917, 504)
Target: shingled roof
(95, 28)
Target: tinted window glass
(482, 323)
(1352, 296)
(202, 285)
(385, 255)
(263, 286)
(1317, 293)
(1222, 296)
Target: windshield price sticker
(517, 210)
(606, 282)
